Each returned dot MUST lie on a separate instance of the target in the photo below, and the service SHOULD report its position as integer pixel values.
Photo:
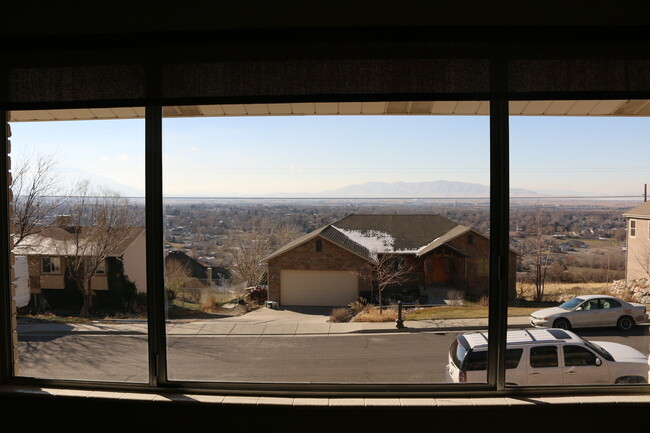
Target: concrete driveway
(287, 315)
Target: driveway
(283, 315)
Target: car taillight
(462, 376)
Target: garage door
(318, 288)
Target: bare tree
(34, 185)
(538, 256)
(99, 223)
(247, 249)
(389, 270)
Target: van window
(513, 356)
(577, 355)
(457, 353)
(543, 356)
(478, 360)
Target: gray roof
(641, 211)
(368, 235)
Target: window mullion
(499, 217)
(154, 245)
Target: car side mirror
(598, 362)
(579, 309)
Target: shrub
(455, 297)
(358, 306)
(257, 294)
(341, 314)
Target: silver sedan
(591, 311)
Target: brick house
(637, 240)
(326, 267)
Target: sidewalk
(234, 327)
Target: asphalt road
(366, 358)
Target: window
(285, 185)
(513, 356)
(483, 267)
(576, 356)
(543, 356)
(79, 211)
(610, 303)
(632, 228)
(101, 268)
(51, 265)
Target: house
(48, 254)
(202, 273)
(637, 240)
(327, 266)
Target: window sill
(326, 401)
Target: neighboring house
(637, 261)
(195, 269)
(48, 252)
(325, 267)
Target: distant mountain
(71, 176)
(434, 189)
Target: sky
(254, 155)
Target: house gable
(307, 257)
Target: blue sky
(225, 156)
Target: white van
(548, 357)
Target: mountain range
(433, 189)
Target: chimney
(209, 276)
(645, 192)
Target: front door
(439, 270)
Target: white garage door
(318, 288)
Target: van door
(583, 367)
(544, 366)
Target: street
(415, 357)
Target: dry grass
(374, 314)
(552, 291)
(436, 313)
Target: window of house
(632, 228)
(319, 246)
(483, 267)
(101, 268)
(51, 265)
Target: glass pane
(79, 256)
(579, 224)
(291, 241)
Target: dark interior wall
(112, 53)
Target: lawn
(436, 313)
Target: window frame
(498, 275)
(632, 228)
(57, 268)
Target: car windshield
(599, 350)
(570, 305)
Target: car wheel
(625, 323)
(562, 324)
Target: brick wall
(477, 283)
(305, 257)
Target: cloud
(194, 148)
(104, 158)
(123, 157)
